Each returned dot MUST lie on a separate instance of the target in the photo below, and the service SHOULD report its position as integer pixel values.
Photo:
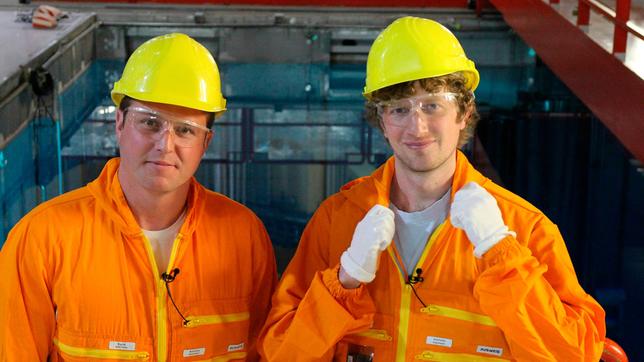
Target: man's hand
(372, 235)
(477, 212)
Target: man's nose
(166, 139)
(418, 121)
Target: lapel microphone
(169, 277)
(416, 278)
(413, 279)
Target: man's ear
(119, 123)
(206, 142)
(466, 116)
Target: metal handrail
(612, 16)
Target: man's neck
(415, 191)
(155, 211)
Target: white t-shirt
(162, 240)
(414, 228)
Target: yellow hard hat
(413, 48)
(172, 69)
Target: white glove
(372, 235)
(476, 211)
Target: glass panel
(93, 139)
(325, 116)
(306, 143)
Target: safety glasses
(400, 112)
(154, 125)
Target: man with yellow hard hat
(143, 263)
(426, 259)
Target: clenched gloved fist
(372, 235)
(476, 211)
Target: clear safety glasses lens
(154, 125)
(400, 111)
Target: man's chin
(422, 165)
(158, 184)
(417, 165)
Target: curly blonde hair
(454, 83)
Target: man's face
(161, 145)
(423, 130)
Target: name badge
(194, 352)
(489, 350)
(438, 341)
(236, 347)
(122, 346)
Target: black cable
(417, 297)
(413, 279)
(167, 279)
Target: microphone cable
(413, 279)
(169, 278)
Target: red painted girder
(332, 3)
(607, 87)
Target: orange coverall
(80, 281)
(521, 301)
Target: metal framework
(620, 17)
(607, 87)
(340, 3)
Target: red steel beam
(332, 3)
(605, 85)
(619, 17)
(622, 12)
(480, 5)
(583, 13)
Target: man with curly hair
(474, 272)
